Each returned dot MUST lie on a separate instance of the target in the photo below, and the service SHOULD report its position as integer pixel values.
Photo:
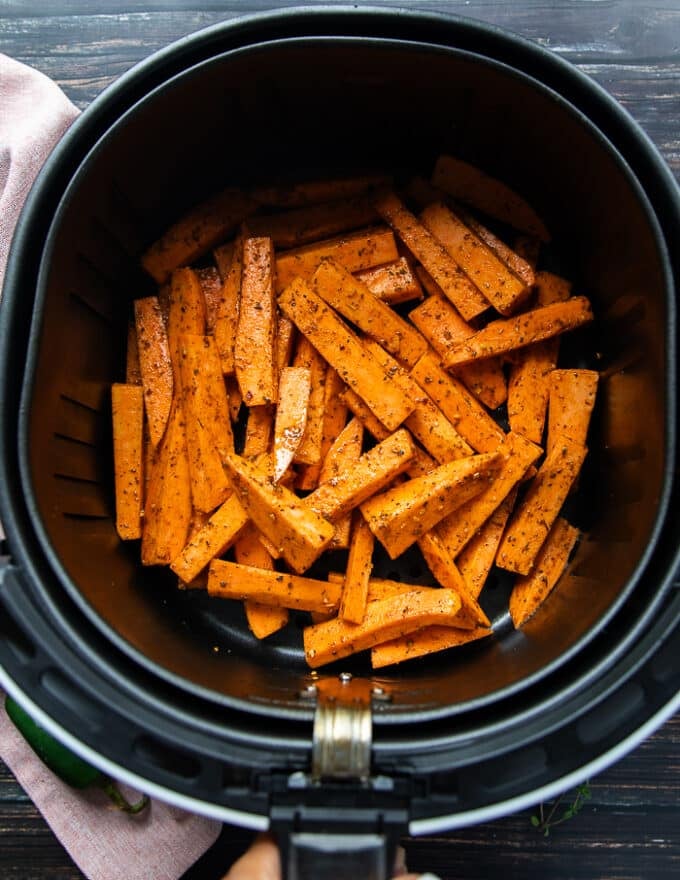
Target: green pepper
(64, 763)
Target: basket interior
(303, 109)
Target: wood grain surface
(630, 829)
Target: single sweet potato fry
(226, 320)
(461, 408)
(229, 580)
(186, 314)
(155, 366)
(383, 620)
(509, 334)
(211, 285)
(424, 641)
(167, 507)
(355, 302)
(427, 422)
(289, 229)
(259, 431)
(529, 388)
(572, 398)
(355, 251)
(342, 456)
(291, 416)
(441, 325)
(312, 192)
(255, 359)
(393, 283)
(196, 233)
(399, 516)
(344, 351)
(446, 573)
(551, 288)
(334, 420)
(514, 261)
(206, 414)
(501, 287)
(427, 249)
(307, 357)
(285, 341)
(263, 620)
(380, 588)
(476, 560)
(469, 184)
(358, 572)
(538, 510)
(532, 590)
(364, 414)
(297, 531)
(214, 539)
(373, 471)
(461, 526)
(133, 372)
(127, 409)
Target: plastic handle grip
(311, 856)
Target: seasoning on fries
(306, 380)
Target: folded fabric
(163, 842)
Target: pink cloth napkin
(163, 842)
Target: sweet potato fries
(351, 365)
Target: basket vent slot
(502, 775)
(611, 714)
(166, 758)
(16, 640)
(73, 698)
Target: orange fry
(442, 326)
(424, 641)
(155, 366)
(196, 233)
(291, 416)
(358, 572)
(460, 527)
(263, 620)
(501, 287)
(298, 532)
(344, 351)
(127, 405)
(533, 519)
(469, 184)
(355, 302)
(226, 319)
(356, 251)
(206, 414)
(509, 334)
(307, 357)
(461, 408)
(427, 249)
(393, 283)
(572, 398)
(229, 580)
(214, 539)
(373, 471)
(383, 620)
(399, 516)
(256, 334)
(530, 591)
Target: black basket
(118, 658)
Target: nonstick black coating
(310, 107)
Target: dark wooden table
(630, 828)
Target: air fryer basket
(239, 106)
